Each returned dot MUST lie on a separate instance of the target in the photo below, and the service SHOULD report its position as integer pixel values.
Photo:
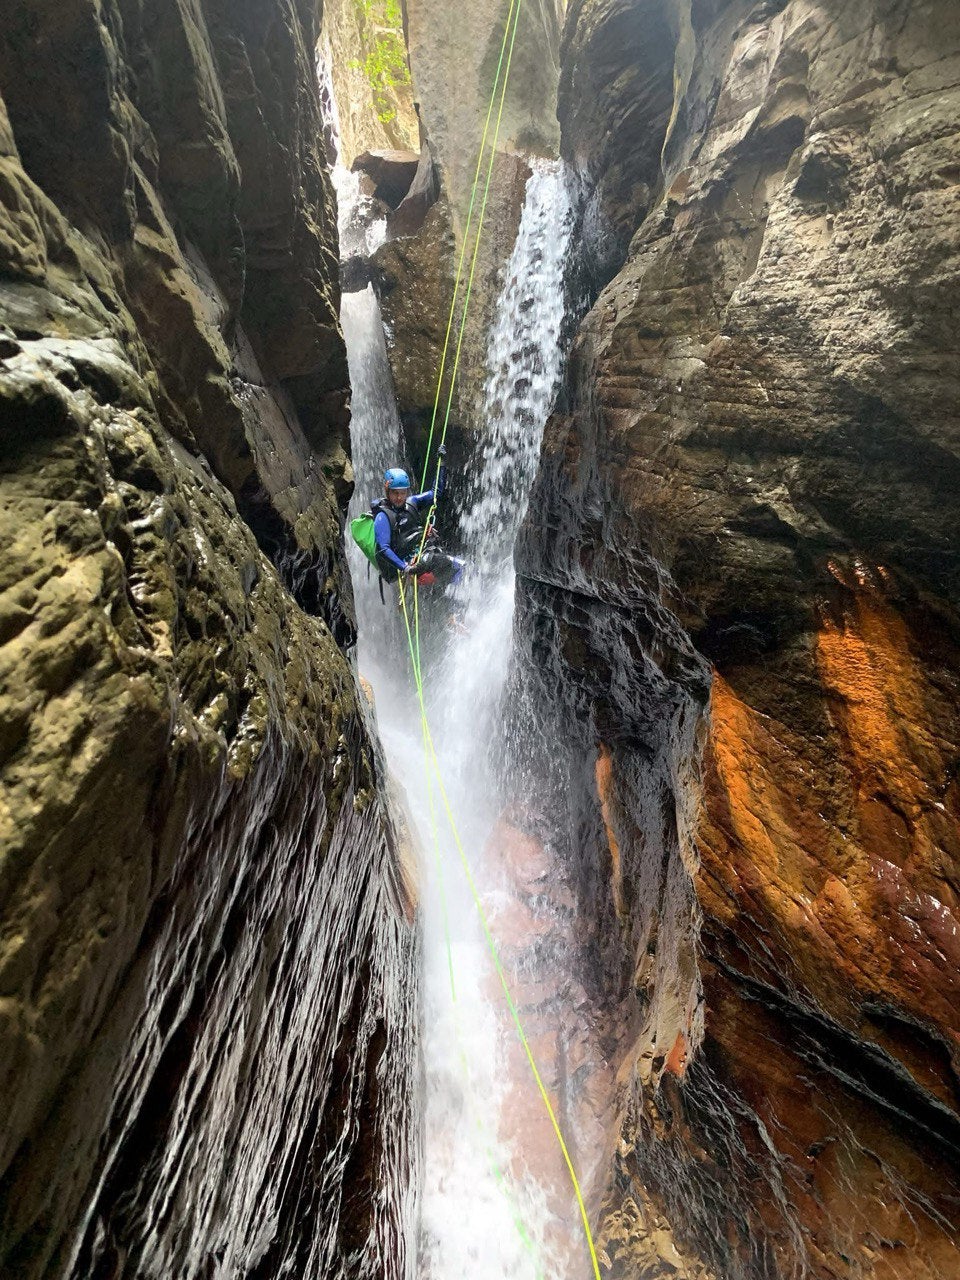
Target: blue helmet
(396, 478)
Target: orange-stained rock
(604, 779)
(676, 1062)
(848, 872)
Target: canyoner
(399, 536)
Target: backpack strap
(382, 505)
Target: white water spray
(482, 1216)
(524, 363)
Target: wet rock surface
(391, 173)
(206, 945)
(454, 56)
(616, 100)
(415, 278)
(415, 275)
(749, 492)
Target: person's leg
(446, 569)
(388, 571)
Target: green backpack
(365, 537)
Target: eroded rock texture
(755, 470)
(205, 941)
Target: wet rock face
(757, 449)
(454, 57)
(190, 107)
(205, 944)
(616, 102)
(415, 277)
(455, 61)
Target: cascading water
(524, 363)
(482, 1216)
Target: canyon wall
(454, 56)
(738, 602)
(207, 946)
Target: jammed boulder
(422, 194)
(391, 172)
(758, 454)
(205, 939)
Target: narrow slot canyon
(579, 899)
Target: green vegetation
(385, 64)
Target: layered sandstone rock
(759, 453)
(205, 941)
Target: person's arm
(430, 495)
(381, 530)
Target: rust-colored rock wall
(758, 450)
(206, 951)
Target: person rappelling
(393, 543)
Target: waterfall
(482, 1215)
(524, 363)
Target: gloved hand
(410, 568)
(442, 452)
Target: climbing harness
(432, 770)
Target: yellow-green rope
(514, 9)
(413, 634)
(504, 1186)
